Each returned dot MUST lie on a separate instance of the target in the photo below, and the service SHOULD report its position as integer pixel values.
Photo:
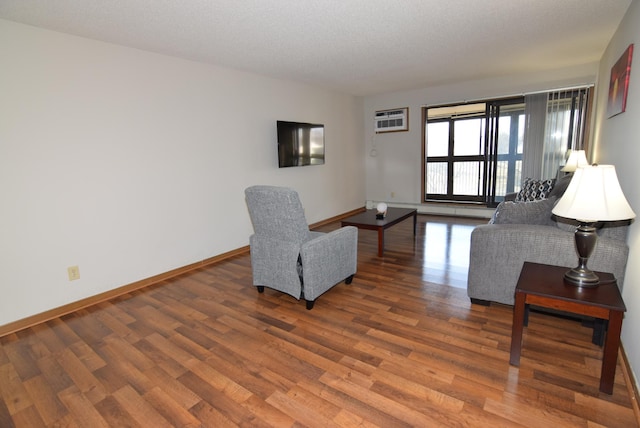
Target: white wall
(397, 167)
(617, 142)
(130, 164)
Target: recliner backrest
(277, 212)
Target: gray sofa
(526, 231)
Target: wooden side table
(543, 285)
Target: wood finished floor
(400, 346)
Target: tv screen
(300, 144)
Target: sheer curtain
(557, 133)
(555, 122)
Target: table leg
(610, 353)
(599, 330)
(380, 242)
(516, 329)
(415, 220)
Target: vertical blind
(535, 114)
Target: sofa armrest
(498, 252)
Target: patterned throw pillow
(534, 190)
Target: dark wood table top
(368, 218)
(548, 281)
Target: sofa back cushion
(538, 211)
(534, 212)
(560, 186)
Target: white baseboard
(457, 210)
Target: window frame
(488, 157)
(451, 159)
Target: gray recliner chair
(287, 256)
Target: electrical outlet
(73, 272)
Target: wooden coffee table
(543, 285)
(367, 220)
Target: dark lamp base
(581, 278)
(380, 216)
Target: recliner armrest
(329, 259)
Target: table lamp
(594, 195)
(577, 159)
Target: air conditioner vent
(391, 120)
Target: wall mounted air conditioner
(392, 120)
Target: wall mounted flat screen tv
(300, 144)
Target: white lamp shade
(594, 194)
(381, 208)
(577, 159)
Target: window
(474, 153)
(506, 164)
(457, 152)
(455, 157)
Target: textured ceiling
(359, 47)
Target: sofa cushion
(560, 186)
(534, 212)
(533, 190)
